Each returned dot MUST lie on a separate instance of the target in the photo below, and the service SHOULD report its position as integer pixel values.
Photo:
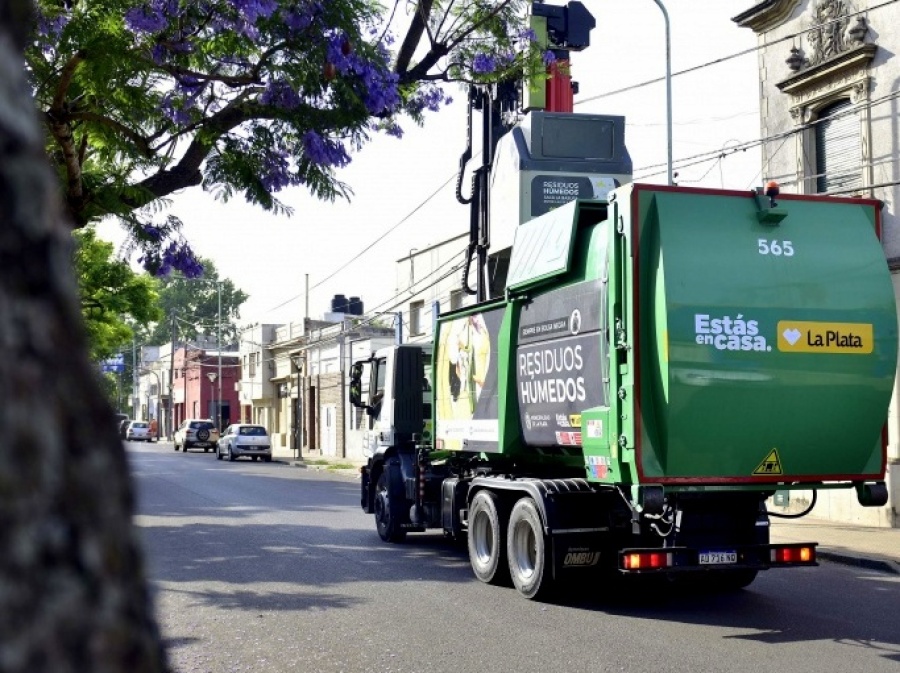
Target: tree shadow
(776, 609)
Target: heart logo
(792, 335)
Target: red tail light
(646, 560)
(796, 554)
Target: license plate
(201, 444)
(718, 557)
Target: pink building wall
(195, 395)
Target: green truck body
(676, 337)
(659, 365)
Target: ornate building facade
(829, 118)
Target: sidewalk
(872, 548)
(316, 461)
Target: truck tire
(527, 550)
(486, 538)
(387, 518)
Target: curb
(859, 561)
(354, 472)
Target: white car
(199, 433)
(138, 431)
(243, 439)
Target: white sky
(715, 107)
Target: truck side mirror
(356, 384)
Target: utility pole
(135, 397)
(171, 431)
(219, 340)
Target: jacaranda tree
(143, 98)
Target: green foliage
(142, 98)
(114, 299)
(195, 305)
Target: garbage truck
(656, 363)
(658, 366)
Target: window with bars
(838, 147)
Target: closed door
(329, 429)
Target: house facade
(256, 391)
(300, 370)
(829, 111)
(204, 385)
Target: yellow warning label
(771, 464)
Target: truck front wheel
(527, 550)
(387, 520)
(487, 548)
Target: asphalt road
(269, 567)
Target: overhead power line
(729, 57)
(693, 160)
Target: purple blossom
(151, 17)
(324, 151)
(275, 174)
(175, 110)
(344, 63)
(252, 10)
(428, 97)
(484, 64)
(298, 20)
(159, 53)
(189, 84)
(52, 27)
(153, 233)
(549, 58)
(280, 93)
(389, 126)
(382, 95)
(528, 34)
(176, 256)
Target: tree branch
(413, 36)
(139, 141)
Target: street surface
(269, 567)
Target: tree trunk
(72, 591)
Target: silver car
(138, 431)
(195, 433)
(243, 439)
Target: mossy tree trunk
(72, 592)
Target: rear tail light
(792, 554)
(646, 560)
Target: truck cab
(393, 386)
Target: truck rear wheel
(527, 550)
(487, 547)
(387, 520)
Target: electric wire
(723, 59)
(682, 165)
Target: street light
(218, 343)
(212, 376)
(668, 93)
(158, 396)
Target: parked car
(243, 439)
(199, 433)
(123, 422)
(138, 431)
